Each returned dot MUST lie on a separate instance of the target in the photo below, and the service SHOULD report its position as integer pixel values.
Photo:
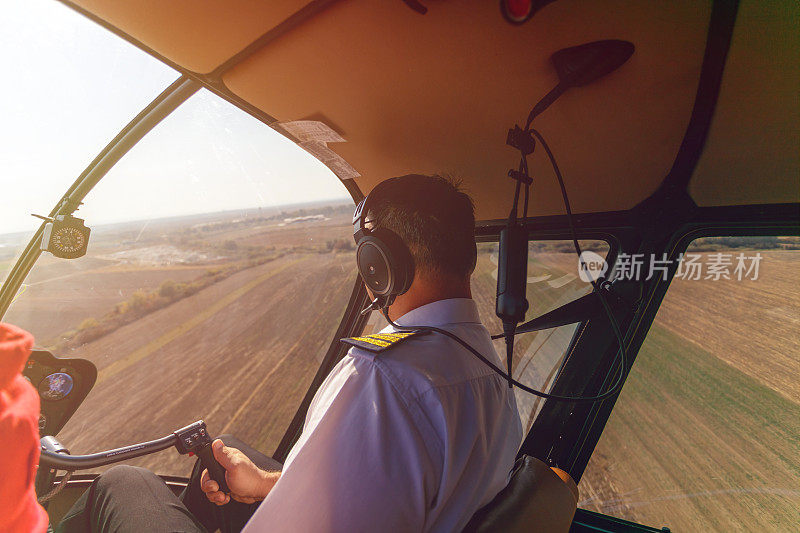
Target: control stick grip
(215, 470)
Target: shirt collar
(449, 311)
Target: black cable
(507, 328)
(524, 169)
(476, 353)
(614, 325)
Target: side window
(553, 280)
(220, 263)
(706, 432)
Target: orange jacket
(19, 437)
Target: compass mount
(66, 237)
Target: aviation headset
(383, 259)
(387, 268)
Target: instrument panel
(62, 384)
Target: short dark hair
(433, 216)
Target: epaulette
(379, 342)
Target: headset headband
(359, 217)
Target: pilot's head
(435, 220)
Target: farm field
(751, 325)
(222, 319)
(226, 318)
(239, 355)
(53, 300)
(705, 433)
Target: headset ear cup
(400, 261)
(373, 259)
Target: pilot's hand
(247, 482)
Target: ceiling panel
(437, 93)
(199, 35)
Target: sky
(70, 86)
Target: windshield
(71, 87)
(218, 270)
(706, 433)
(219, 265)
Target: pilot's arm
(366, 461)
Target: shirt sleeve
(366, 461)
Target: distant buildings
(306, 218)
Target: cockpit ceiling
(436, 93)
(198, 35)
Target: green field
(695, 441)
(697, 444)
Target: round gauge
(55, 386)
(42, 422)
(68, 240)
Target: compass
(66, 237)
(68, 240)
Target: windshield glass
(220, 259)
(220, 262)
(70, 87)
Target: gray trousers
(132, 499)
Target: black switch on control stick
(194, 438)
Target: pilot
(409, 432)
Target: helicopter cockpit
(189, 268)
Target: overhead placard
(342, 168)
(311, 130)
(319, 150)
(312, 136)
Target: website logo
(591, 266)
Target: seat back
(537, 498)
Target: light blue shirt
(416, 438)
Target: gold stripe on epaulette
(378, 342)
